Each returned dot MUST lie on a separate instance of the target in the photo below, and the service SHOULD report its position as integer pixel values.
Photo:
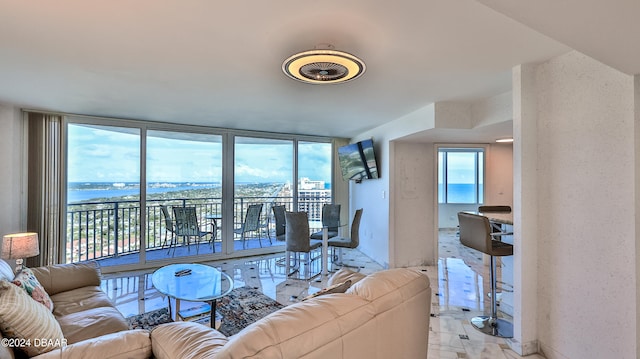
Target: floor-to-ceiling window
(184, 172)
(314, 178)
(103, 193)
(127, 179)
(263, 177)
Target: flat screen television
(358, 161)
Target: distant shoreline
(88, 192)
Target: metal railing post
(116, 230)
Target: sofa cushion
(91, 323)
(65, 277)
(5, 351)
(130, 344)
(27, 281)
(5, 271)
(186, 340)
(401, 299)
(331, 326)
(24, 318)
(78, 300)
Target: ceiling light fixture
(501, 140)
(323, 66)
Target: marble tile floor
(456, 283)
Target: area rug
(238, 309)
(149, 320)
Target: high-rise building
(312, 195)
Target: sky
(97, 154)
(461, 168)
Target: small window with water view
(461, 175)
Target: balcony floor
(202, 248)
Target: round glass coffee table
(193, 283)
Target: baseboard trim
(523, 349)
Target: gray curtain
(45, 183)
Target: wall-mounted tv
(358, 161)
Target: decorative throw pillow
(336, 288)
(5, 271)
(33, 327)
(28, 281)
(343, 275)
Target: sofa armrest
(5, 351)
(64, 277)
(186, 340)
(128, 344)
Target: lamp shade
(20, 245)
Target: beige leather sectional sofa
(382, 315)
(92, 327)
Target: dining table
(214, 218)
(325, 242)
(497, 217)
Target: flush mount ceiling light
(323, 66)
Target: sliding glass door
(263, 176)
(184, 178)
(314, 179)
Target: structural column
(525, 210)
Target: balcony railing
(103, 229)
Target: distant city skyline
(104, 154)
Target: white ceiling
(608, 31)
(219, 63)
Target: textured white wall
(525, 211)
(586, 210)
(499, 175)
(12, 207)
(377, 197)
(492, 110)
(413, 215)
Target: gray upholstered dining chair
(476, 233)
(298, 242)
(330, 219)
(347, 242)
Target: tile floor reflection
(457, 284)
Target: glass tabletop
(318, 224)
(204, 283)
